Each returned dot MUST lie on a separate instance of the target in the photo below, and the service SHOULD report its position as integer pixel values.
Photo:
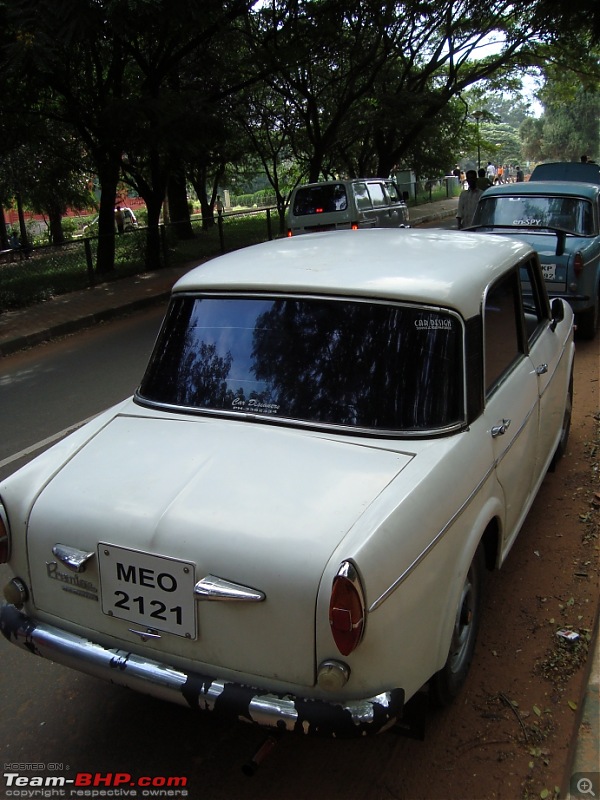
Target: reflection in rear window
(320, 199)
(567, 213)
(321, 361)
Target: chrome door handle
(501, 428)
(542, 369)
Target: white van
(335, 205)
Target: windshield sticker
(434, 324)
(254, 406)
(529, 223)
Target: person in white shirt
(491, 172)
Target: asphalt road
(48, 389)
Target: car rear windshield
(317, 361)
(571, 214)
(320, 199)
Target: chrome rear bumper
(202, 692)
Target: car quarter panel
(412, 550)
(552, 355)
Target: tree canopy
(160, 93)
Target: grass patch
(52, 271)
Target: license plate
(152, 592)
(549, 272)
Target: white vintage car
(290, 521)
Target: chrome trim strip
(373, 433)
(285, 711)
(74, 559)
(145, 635)
(431, 544)
(517, 434)
(451, 521)
(212, 587)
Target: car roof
(445, 268)
(567, 171)
(567, 188)
(343, 181)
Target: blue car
(561, 221)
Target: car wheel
(446, 683)
(566, 428)
(588, 321)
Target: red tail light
(4, 538)
(578, 264)
(347, 609)
(354, 226)
(289, 233)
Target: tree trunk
(3, 234)
(108, 176)
(57, 235)
(153, 244)
(179, 210)
(206, 209)
(22, 227)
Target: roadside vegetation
(51, 271)
(184, 100)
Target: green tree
(113, 71)
(569, 126)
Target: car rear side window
(503, 329)
(317, 360)
(393, 193)
(361, 195)
(377, 195)
(320, 199)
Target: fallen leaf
(572, 705)
(537, 711)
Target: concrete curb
(56, 331)
(584, 755)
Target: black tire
(566, 428)
(588, 321)
(446, 684)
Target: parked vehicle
(289, 523)
(339, 205)
(587, 172)
(129, 223)
(561, 220)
